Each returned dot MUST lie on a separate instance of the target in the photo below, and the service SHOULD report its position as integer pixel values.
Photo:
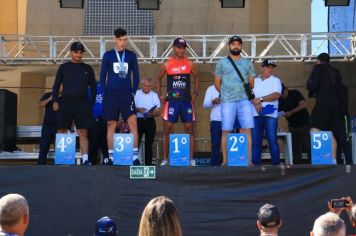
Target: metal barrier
(26, 49)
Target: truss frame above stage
(303, 47)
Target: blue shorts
(117, 102)
(242, 109)
(172, 109)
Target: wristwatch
(261, 99)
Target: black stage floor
(67, 200)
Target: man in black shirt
(324, 84)
(49, 127)
(76, 77)
(292, 105)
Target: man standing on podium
(118, 67)
(178, 101)
(76, 77)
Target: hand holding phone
(339, 203)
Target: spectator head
(179, 47)
(284, 93)
(323, 58)
(268, 219)
(329, 224)
(120, 39)
(353, 216)
(105, 227)
(160, 217)
(76, 51)
(146, 84)
(235, 45)
(267, 67)
(14, 214)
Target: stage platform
(67, 200)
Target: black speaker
(8, 120)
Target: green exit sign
(142, 172)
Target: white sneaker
(164, 162)
(192, 162)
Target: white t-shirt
(266, 87)
(146, 100)
(210, 95)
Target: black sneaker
(136, 162)
(107, 162)
(86, 163)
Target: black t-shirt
(324, 82)
(50, 116)
(76, 78)
(300, 118)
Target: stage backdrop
(211, 201)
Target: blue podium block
(321, 148)
(123, 149)
(179, 150)
(237, 150)
(64, 152)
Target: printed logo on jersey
(180, 69)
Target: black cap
(180, 43)
(77, 46)
(268, 216)
(235, 38)
(268, 62)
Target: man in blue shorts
(234, 101)
(118, 67)
(178, 101)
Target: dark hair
(119, 32)
(323, 57)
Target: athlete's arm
(44, 101)
(302, 105)
(162, 73)
(271, 97)
(57, 83)
(136, 75)
(92, 85)
(217, 83)
(103, 72)
(207, 100)
(196, 80)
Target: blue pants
(215, 138)
(268, 124)
(48, 135)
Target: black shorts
(118, 102)
(325, 115)
(77, 111)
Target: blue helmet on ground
(105, 226)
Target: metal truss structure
(304, 47)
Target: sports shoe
(107, 162)
(86, 163)
(136, 162)
(164, 162)
(192, 162)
